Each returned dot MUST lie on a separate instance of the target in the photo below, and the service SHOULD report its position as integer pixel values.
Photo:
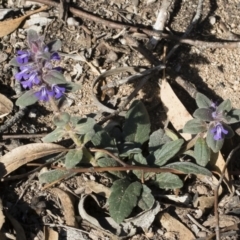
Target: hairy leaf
(157, 139)
(203, 101)
(202, 152)
(137, 125)
(123, 198)
(204, 114)
(168, 181)
(110, 162)
(189, 168)
(146, 200)
(73, 157)
(61, 119)
(85, 125)
(72, 87)
(27, 99)
(54, 77)
(234, 116)
(55, 135)
(52, 175)
(225, 106)
(167, 151)
(195, 126)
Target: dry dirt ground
(90, 48)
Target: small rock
(202, 234)
(3, 57)
(72, 22)
(111, 57)
(135, 2)
(212, 20)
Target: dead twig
(23, 136)
(160, 22)
(217, 230)
(110, 154)
(198, 224)
(131, 28)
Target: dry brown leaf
(67, 204)
(98, 188)
(6, 105)
(173, 225)
(178, 115)
(50, 234)
(224, 221)
(9, 26)
(20, 235)
(24, 154)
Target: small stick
(23, 136)
(110, 154)
(217, 230)
(198, 224)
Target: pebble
(212, 20)
(202, 234)
(72, 22)
(3, 57)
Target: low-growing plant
(134, 157)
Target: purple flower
(58, 91)
(55, 56)
(44, 93)
(32, 80)
(218, 131)
(24, 73)
(23, 56)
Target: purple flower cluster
(218, 129)
(36, 63)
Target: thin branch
(110, 154)
(160, 22)
(131, 28)
(23, 136)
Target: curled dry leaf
(98, 188)
(67, 205)
(27, 153)
(173, 225)
(6, 105)
(125, 229)
(9, 26)
(178, 115)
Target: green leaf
(171, 134)
(224, 106)
(234, 116)
(53, 175)
(157, 139)
(137, 125)
(73, 157)
(203, 101)
(55, 135)
(204, 114)
(85, 125)
(109, 162)
(55, 45)
(168, 181)
(54, 77)
(202, 152)
(195, 126)
(123, 198)
(72, 87)
(32, 36)
(167, 151)
(14, 62)
(61, 119)
(215, 145)
(189, 168)
(146, 200)
(189, 153)
(139, 159)
(101, 139)
(27, 99)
